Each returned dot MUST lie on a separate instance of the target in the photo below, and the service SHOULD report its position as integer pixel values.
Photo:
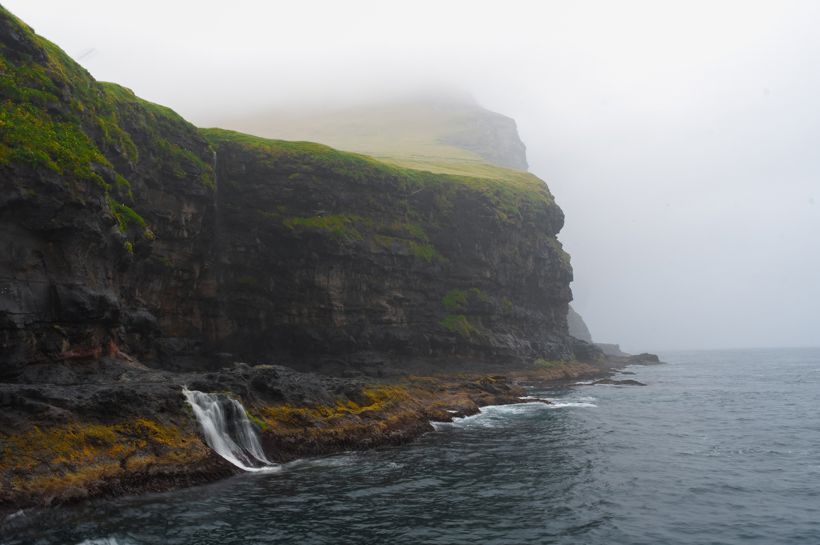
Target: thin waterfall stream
(228, 431)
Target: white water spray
(228, 430)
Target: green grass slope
(510, 191)
(450, 136)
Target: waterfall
(227, 430)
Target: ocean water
(720, 447)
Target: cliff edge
(129, 233)
(141, 254)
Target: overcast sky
(680, 138)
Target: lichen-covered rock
(106, 428)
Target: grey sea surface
(720, 447)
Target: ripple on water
(706, 453)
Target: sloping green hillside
(55, 119)
(508, 190)
(452, 135)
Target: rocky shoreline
(112, 427)
(143, 255)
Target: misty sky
(680, 138)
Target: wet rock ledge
(113, 427)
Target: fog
(678, 137)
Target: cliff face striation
(128, 233)
(139, 254)
(106, 215)
(325, 253)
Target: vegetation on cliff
(512, 193)
(54, 117)
(133, 238)
(302, 250)
(446, 133)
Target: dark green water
(721, 447)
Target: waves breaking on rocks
(228, 431)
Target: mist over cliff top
(677, 136)
(440, 132)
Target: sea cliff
(126, 230)
(141, 254)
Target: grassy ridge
(510, 191)
(426, 134)
(55, 117)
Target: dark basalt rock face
(372, 265)
(126, 232)
(643, 359)
(82, 274)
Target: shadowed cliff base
(109, 427)
(112, 427)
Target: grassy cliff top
(510, 190)
(55, 117)
(445, 135)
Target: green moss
(479, 295)
(413, 230)
(455, 300)
(339, 225)
(30, 136)
(125, 215)
(373, 399)
(352, 228)
(512, 194)
(261, 424)
(54, 117)
(159, 122)
(425, 252)
(115, 137)
(43, 108)
(458, 323)
(420, 250)
(82, 454)
(459, 300)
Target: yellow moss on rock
(378, 398)
(75, 454)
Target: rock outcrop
(611, 349)
(126, 232)
(108, 428)
(577, 327)
(491, 136)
